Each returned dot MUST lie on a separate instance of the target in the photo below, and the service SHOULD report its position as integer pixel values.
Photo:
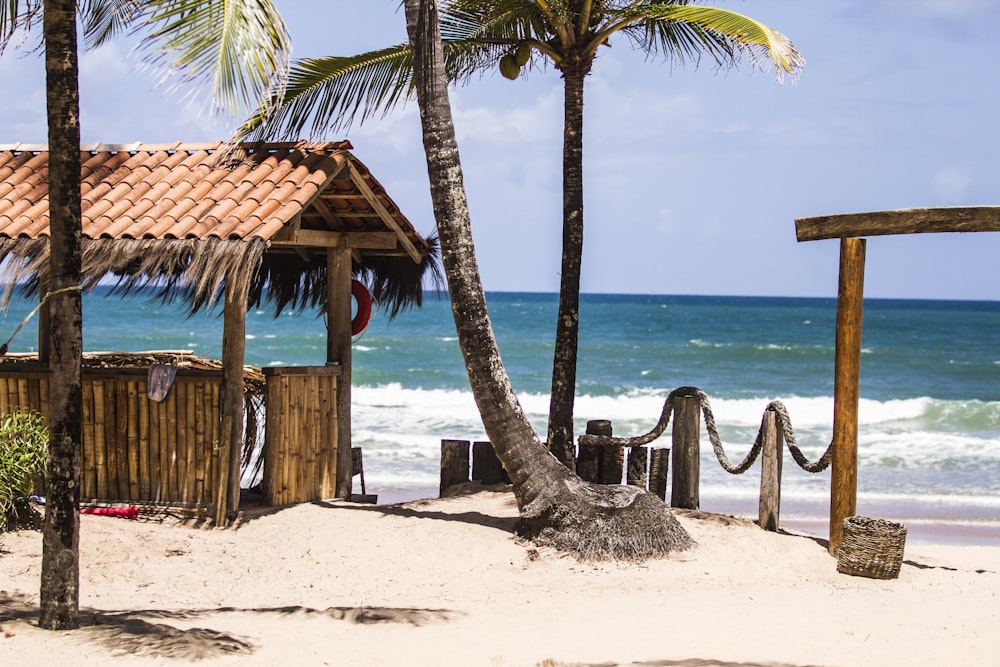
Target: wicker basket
(871, 548)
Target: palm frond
(18, 16)
(239, 48)
(333, 92)
(103, 20)
(688, 31)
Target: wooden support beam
(338, 351)
(846, 392)
(903, 221)
(317, 238)
(387, 218)
(227, 497)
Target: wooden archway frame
(849, 228)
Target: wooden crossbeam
(902, 221)
(387, 218)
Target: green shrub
(23, 445)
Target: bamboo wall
(300, 434)
(136, 449)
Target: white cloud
(951, 184)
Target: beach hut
(298, 225)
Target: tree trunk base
(604, 522)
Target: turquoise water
(930, 382)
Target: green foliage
(23, 446)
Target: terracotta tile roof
(286, 193)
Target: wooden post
(638, 464)
(772, 450)
(338, 351)
(227, 497)
(610, 458)
(486, 467)
(685, 487)
(659, 465)
(454, 464)
(588, 459)
(847, 365)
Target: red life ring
(364, 300)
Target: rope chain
(777, 407)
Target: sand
(445, 582)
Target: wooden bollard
(486, 466)
(770, 472)
(638, 464)
(454, 463)
(659, 465)
(685, 485)
(588, 459)
(611, 458)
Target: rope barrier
(777, 407)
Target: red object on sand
(121, 512)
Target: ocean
(929, 434)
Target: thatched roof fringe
(196, 270)
(392, 279)
(191, 269)
(21, 263)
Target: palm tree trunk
(59, 594)
(557, 508)
(560, 431)
(517, 445)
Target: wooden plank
(23, 395)
(132, 429)
(100, 442)
(326, 460)
(180, 432)
(155, 462)
(146, 453)
(202, 459)
(846, 393)
(902, 221)
(769, 506)
(191, 431)
(314, 434)
(88, 468)
(44, 391)
(271, 484)
(171, 445)
(111, 438)
(35, 394)
(121, 439)
(215, 437)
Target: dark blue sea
(929, 440)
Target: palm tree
(557, 508)
(479, 35)
(242, 72)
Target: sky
(693, 176)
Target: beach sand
(445, 582)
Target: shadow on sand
(136, 632)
